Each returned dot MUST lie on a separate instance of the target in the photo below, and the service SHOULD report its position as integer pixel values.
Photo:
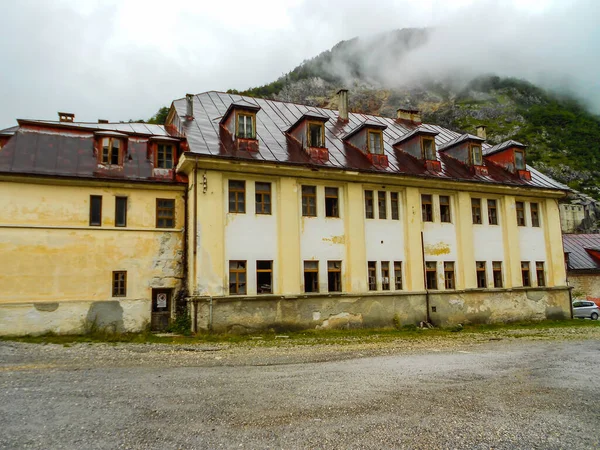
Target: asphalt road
(501, 395)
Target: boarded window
(245, 126)
(237, 196)
(520, 206)
(535, 214)
(382, 204)
(165, 213)
(332, 207)
(263, 198)
(375, 142)
(121, 211)
(428, 149)
(264, 277)
(476, 210)
(445, 209)
(492, 212)
(525, 275)
(497, 271)
(315, 135)
(449, 275)
(334, 276)
(119, 284)
(372, 275)
(541, 274)
(431, 275)
(164, 156)
(395, 205)
(309, 201)
(398, 275)
(481, 275)
(369, 213)
(311, 276)
(95, 210)
(426, 208)
(237, 277)
(385, 275)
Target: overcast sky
(124, 59)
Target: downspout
(425, 278)
(195, 245)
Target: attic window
(476, 157)
(375, 142)
(110, 151)
(428, 147)
(164, 156)
(315, 134)
(519, 160)
(245, 126)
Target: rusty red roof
(577, 246)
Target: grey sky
(124, 59)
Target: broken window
(110, 151)
(375, 142)
(535, 214)
(332, 202)
(385, 275)
(520, 214)
(165, 213)
(164, 156)
(95, 210)
(481, 276)
(398, 275)
(369, 213)
(372, 275)
(492, 212)
(541, 275)
(431, 275)
(476, 210)
(426, 208)
(445, 209)
(120, 211)
(428, 145)
(525, 275)
(237, 196)
(311, 276)
(519, 160)
(264, 277)
(395, 206)
(382, 204)
(245, 126)
(119, 283)
(316, 134)
(476, 157)
(237, 277)
(449, 275)
(334, 276)
(497, 272)
(263, 198)
(309, 201)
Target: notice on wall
(161, 301)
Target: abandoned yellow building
(281, 216)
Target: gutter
(428, 316)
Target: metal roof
(366, 124)
(502, 146)
(416, 131)
(144, 129)
(458, 140)
(9, 131)
(275, 117)
(576, 245)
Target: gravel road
(501, 394)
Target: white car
(584, 309)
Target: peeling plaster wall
(585, 285)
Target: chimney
(481, 131)
(409, 115)
(189, 98)
(66, 117)
(343, 104)
(102, 121)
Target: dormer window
(519, 160)
(428, 149)
(476, 157)
(245, 126)
(316, 133)
(164, 156)
(375, 142)
(111, 147)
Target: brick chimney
(343, 104)
(481, 131)
(409, 115)
(66, 117)
(102, 121)
(189, 100)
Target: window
(445, 209)
(315, 135)
(263, 198)
(492, 212)
(535, 214)
(375, 142)
(385, 275)
(334, 276)
(95, 210)
(311, 276)
(110, 151)
(164, 156)
(237, 277)
(398, 275)
(481, 277)
(119, 284)
(309, 201)
(476, 210)
(237, 196)
(332, 208)
(264, 277)
(428, 148)
(520, 214)
(426, 208)
(519, 160)
(449, 275)
(476, 158)
(541, 276)
(165, 213)
(372, 266)
(395, 206)
(120, 211)
(245, 126)
(382, 204)
(431, 275)
(369, 214)
(497, 272)
(525, 273)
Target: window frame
(385, 273)
(334, 270)
(444, 216)
(398, 275)
(92, 222)
(541, 271)
(124, 222)
(160, 208)
(535, 218)
(431, 268)
(449, 275)
(427, 207)
(424, 152)
(395, 205)
(157, 161)
(237, 272)
(369, 198)
(521, 209)
(336, 205)
(306, 195)
(382, 201)
(480, 268)
(472, 148)
(497, 269)
(111, 148)
(476, 206)
(316, 277)
(252, 117)
(526, 269)
(522, 153)
(119, 286)
(269, 271)
(321, 125)
(494, 202)
(239, 201)
(264, 206)
(379, 133)
(372, 275)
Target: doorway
(161, 309)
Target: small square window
(119, 283)
(309, 201)
(263, 198)
(332, 208)
(237, 196)
(165, 213)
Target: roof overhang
(367, 124)
(416, 132)
(239, 105)
(312, 116)
(461, 139)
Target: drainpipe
(425, 278)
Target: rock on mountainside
(563, 137)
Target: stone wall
(585, 285)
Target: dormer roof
(419, 131)
(503, 146)
(366, 124)
(459, 140)
(309, 115)
(240, 104)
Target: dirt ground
(517, 389)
